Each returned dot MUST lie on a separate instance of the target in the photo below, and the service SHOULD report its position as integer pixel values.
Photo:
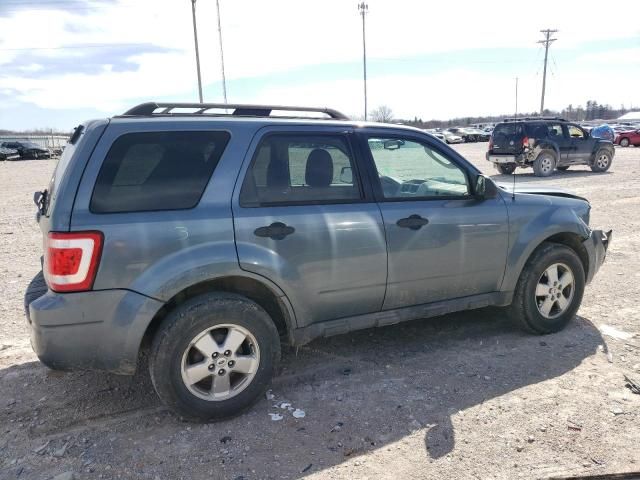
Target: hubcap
(220, 362)
(554, 291)
(603, 161)
(546, 164)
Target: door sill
(340, 326)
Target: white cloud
(262, 38)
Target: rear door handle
(276, 231)
(413, 222)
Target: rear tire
(538, 292)
(506, 168)
(214, 356)
(544, 164)
(624, 142)
(601, 162)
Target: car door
(581, 144)
(304, 219)
(558, 135)
(443, 243)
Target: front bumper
(596, 246)
(96, 330)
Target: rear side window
(157, 171)
(510, 130)
(299, 169)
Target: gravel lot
(461, 396)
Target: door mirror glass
(485, 188)
(346, 175)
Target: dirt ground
(461, 396)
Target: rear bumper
(596, 245)
(493, 158)
(97, 330)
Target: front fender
(530, 224)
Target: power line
(546, 42)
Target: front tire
(544, 164)
(601, 162)
(214, 356)
(549, 290)
(506, 168)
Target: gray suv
(211, 234)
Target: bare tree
(382, 114)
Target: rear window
(157, 171)
(510, 129)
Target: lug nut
(211, 367)
(215, 355)
(231, 363)
(221, 371)
(227, 353)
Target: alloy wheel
(220, 362)
(554, 291)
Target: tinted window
(408, 169)
(300, 169)
(510, 129)
(157, 171)
(554, 130)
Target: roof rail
(239, 110)
(523, 119)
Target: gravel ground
(460, 396)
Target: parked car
(28, 150)
(546, 144)
(213, 240)
(451, 137)
(9, 154)
(631, 137)
(463, 133)
(479, 135)
(439, 135)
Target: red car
(624, 139)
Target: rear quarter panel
(160, 253)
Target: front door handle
(276, 231)
(413, 222)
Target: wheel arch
(569, 239)
(275, 304)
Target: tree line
(591, 111)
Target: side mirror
(485, 188)
(346, 175)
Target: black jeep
(546, 144)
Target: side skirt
(330, 328)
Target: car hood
(539, 190)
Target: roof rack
(528, 119)
(238, 110)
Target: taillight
(71, 260)
(491, 142)
(525, 142)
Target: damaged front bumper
(596, 245)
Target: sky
(65, 61)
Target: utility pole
(363, 8)
(195, 37)
(546, 42)
(516, 98)
(224, 80)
